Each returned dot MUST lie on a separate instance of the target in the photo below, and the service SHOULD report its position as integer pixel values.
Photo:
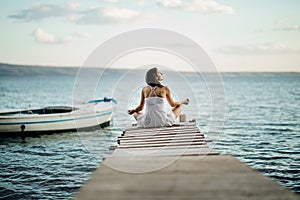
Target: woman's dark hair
(151, 77)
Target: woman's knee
(135, 115)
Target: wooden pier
(175, 163)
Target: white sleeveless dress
(155, 114)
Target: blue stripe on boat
(55, 121)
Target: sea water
(260, 112)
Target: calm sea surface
(261, 126)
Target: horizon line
(124, 68)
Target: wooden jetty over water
(175, 163)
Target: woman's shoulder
(165, 88)
(145, 88)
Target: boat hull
(92, 115)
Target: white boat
(58, 118)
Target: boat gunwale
(76, 112)
(45, 116)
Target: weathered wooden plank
(189, 134)
(162, 141)
(161, 133)
(151, 140)
(162, 144)
(193, 124)
(163, 152)
(161, 136)
(113, 147)
(160, 129)
(171, 136)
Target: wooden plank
(162, 145)
(190, 135)
(184, 142)
(161, 136)
(159, 129)
(163, 152)
(160, 133)
(187, 141)
(151, 140)
(171, 147)
(179, 149)
(162, 141)
(113, 147)
(132, 128)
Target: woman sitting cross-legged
(155, 95)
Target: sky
(242, 36)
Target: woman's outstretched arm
(140, 107)
(172, 102)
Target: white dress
(155, 114)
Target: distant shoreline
(39, 70)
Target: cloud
(72, 13)
(42, 11)
(108, 15)
(286, 28)
(200, 6)
(42, 36)
(170, 3)
(259, 49)
(111, 15)
(112, 1)
(289, 28)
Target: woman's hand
(130, 112)
(186, 102)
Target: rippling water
(263, 122)
(47, 166)
(261, 128)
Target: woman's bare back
(154, 91)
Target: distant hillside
(27, 70)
